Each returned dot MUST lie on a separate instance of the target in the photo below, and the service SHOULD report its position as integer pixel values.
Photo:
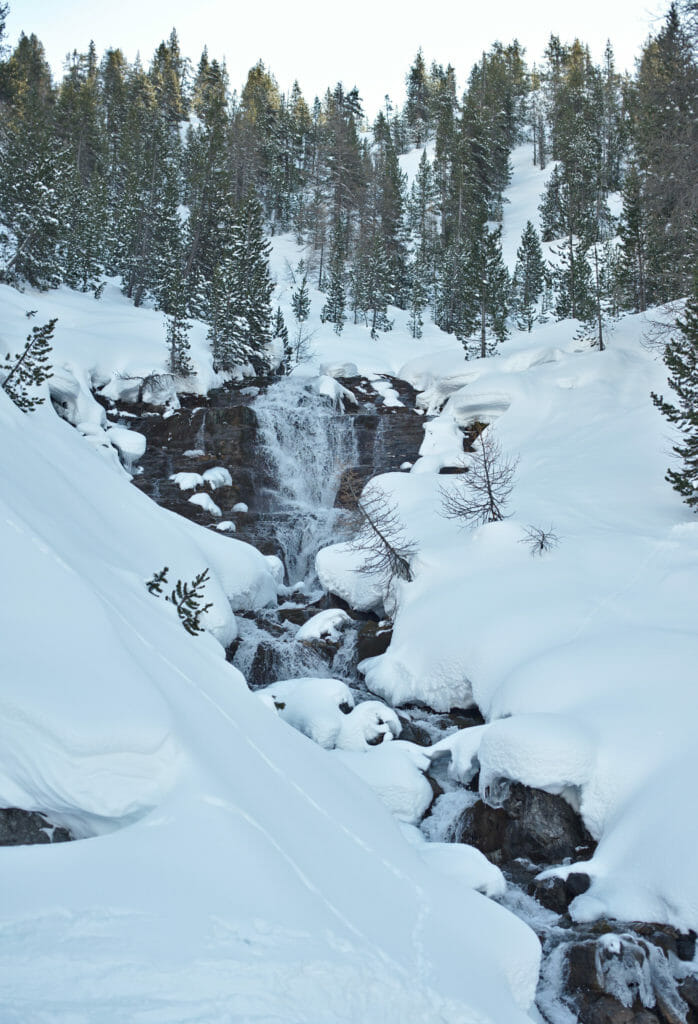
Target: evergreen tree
(634, 243)
(573, 280)
(417, 105)
(334, 310)
(681, 358)
(488, 284)
(300, 301)
(666, 140)
(27, 370)
(528, 278)
(177, 335)
(417, 302)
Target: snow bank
(121, 723)
(394, 771)
(326, 625)
(206, 502)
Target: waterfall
(307, 443)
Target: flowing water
(306, 443)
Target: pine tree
(487, 284)
(30, 368)
(681, 358)
(334, 310)
(573, 281)
(528, 278)
(666, 141)
(634, 242)
(253, 285)
(177, 337)
(418, 301)
(417, 105)
(300, 301)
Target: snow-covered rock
(206, 502)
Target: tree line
(165, 177)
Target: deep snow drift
(234, 869)
(230, 868)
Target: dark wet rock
(267, 665)
(28, 828)
(297, 616)
(688, 990)
(373, 638)
(557, 893)
(414, 733)
(622, 977)
(465, 718)
(669, 939)
(537, 826)
(551, 893)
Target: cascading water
(307, 444)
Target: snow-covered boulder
(395, 772)
(207, 503)
(326, 625)
(217, 477)
(187, 481)
(314, 707)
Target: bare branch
(480, 495)
(539, 541)
(380, 535)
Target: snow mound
(312, 706)
(369, 724)
(465, 863)
(187, 481)
(206, 502)
(326, 625)
(337, 567)
(217, 477)
(395, 772)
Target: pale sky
(372, 47)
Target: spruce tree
(681, 358)
(487, 282)
(27, 370)
(334, 310)
(177, 336)
(634, 244)
(528, 278)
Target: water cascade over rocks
(306, 443)
(287, 449)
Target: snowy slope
(231, 869)
(592, 647)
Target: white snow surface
(588, 652)
(235, 871)
(325, 625)
(206, 502)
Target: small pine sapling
(30, 368)
(186, 597)
(157, 582)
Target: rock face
(537, 826)
(28, 828)
(195, 439)
(619, 978)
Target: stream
(287, 450)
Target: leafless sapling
(538, 540)
(480, 495)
